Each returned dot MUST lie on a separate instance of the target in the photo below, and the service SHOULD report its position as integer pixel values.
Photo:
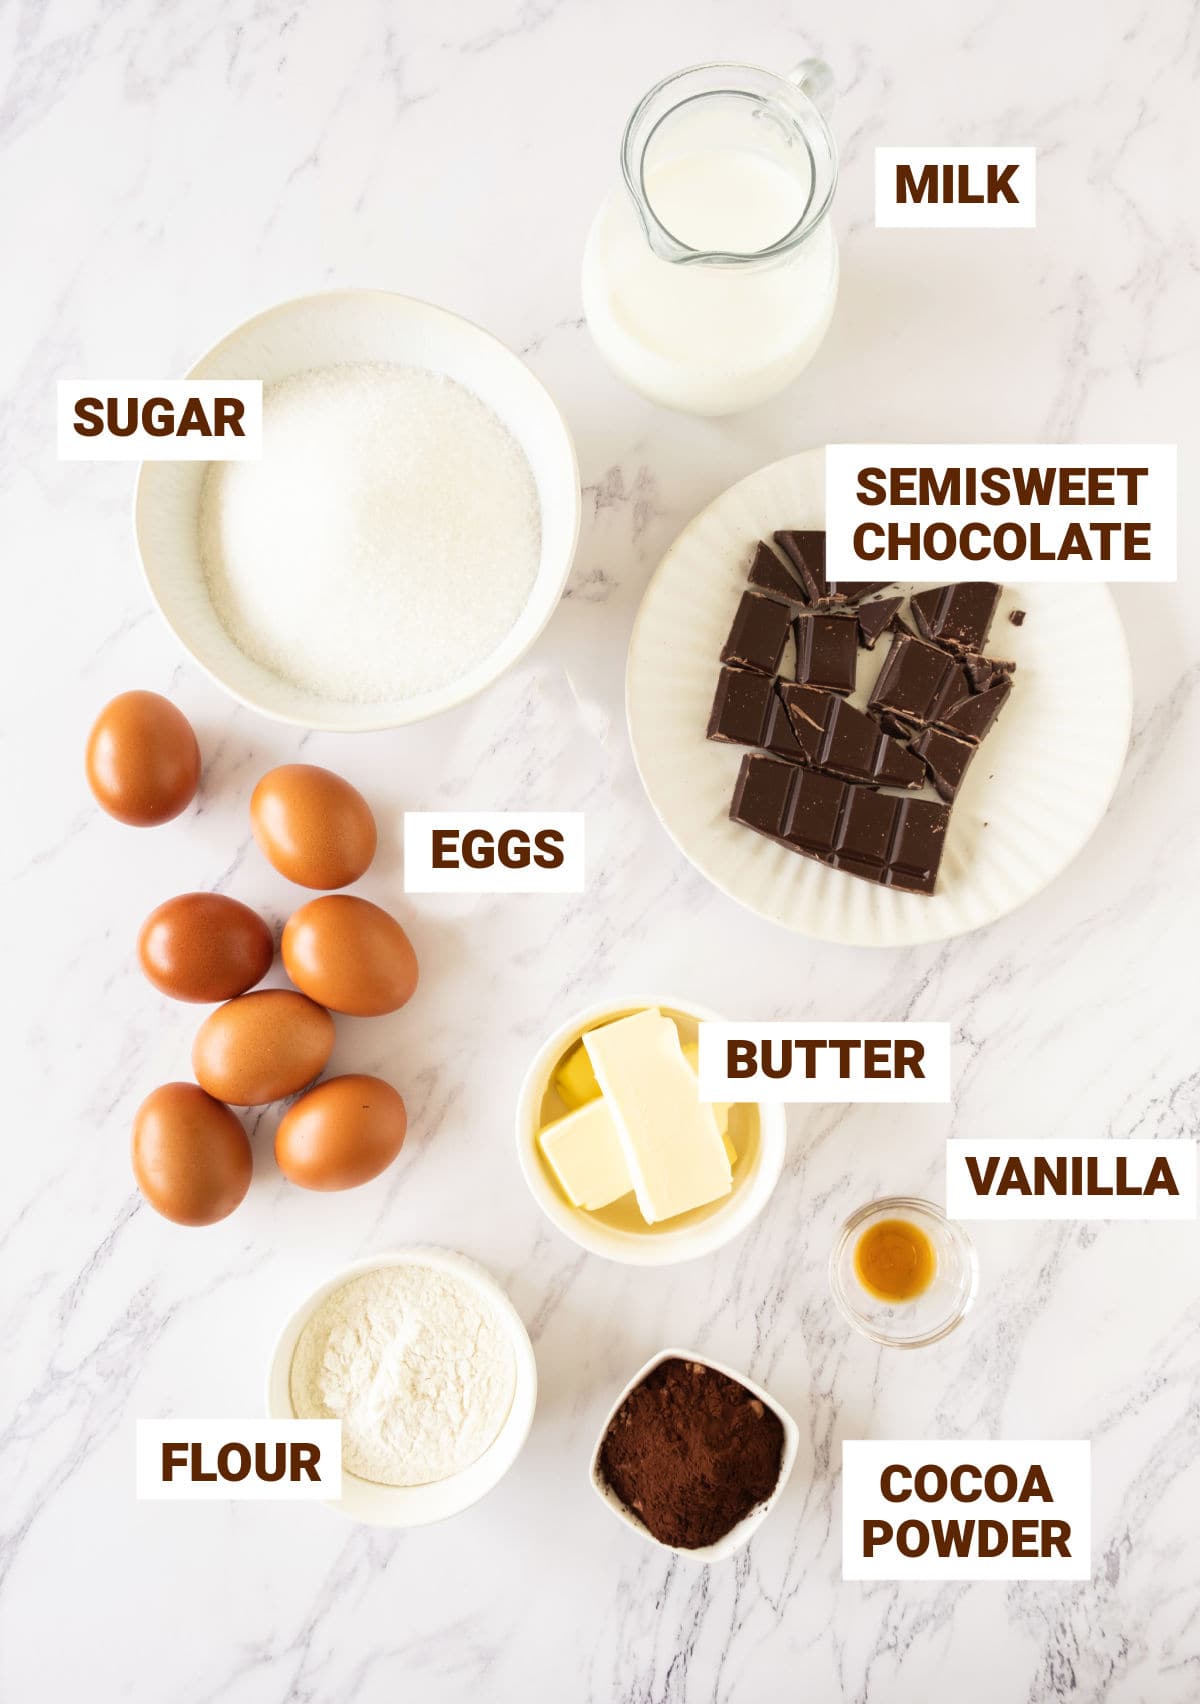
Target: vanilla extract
(1069, 1174)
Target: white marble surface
(166, 169)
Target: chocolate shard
(762, 792)
(972, 718)
(768, 574)
(832, 600)
(837, 738)
(806, 553)
(946, 758)
(959, 615)
(875, 618)
(985, 672)
(1017, 617)
(758, 635)
(826, 649)
(855, 590)
(780, 737)
(741, 707)
(896, 842)
(918, 681)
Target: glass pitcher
(710, 277)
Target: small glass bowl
(937, 1310)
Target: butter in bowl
(621, 1153)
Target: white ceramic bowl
(320, 331)
(418, 1505)
(737, 1536)
(619, 1232)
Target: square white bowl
(744, 1531)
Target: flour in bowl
(416, 1365)
(385, 544)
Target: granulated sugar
(385, 544)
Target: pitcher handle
(814, 79)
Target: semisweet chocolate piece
(1017, 617)
(768, 574)
(896, 842)
(741, 707)
(946, 758)
(758, 635)
(855, 590)
(826, 650)
(875, 618)
(806, 553)
(918, 681)
(781, 735)
(841, 740)
(983, 672)
(761, 793)
(958, 615)
(972, 718)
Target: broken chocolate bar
(741, 706)
(761, 793)
(958, 615)
(983, 672)
(1017, 617)
(826, 650)
(806, 553)
(971, 718)
(918, 681)
(854, 591)
(769, 574)
(758, 635)
(875, 618)
(946, 758)
(836, 737)
(896, 842)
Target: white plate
(1039, 785)
(324, 331)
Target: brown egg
(262, 1047)
(314, 827)
(204, 947)
(143, 763)
(350, 955)
(191, 1157)
(342, 1133)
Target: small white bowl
(618, 1232)
(744, 1531)
(418, 1505)
(321, 331)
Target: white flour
(417, 1367)
(386, 542)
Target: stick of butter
(584, 1151)
(669, 1137)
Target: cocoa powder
(691, 1452)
